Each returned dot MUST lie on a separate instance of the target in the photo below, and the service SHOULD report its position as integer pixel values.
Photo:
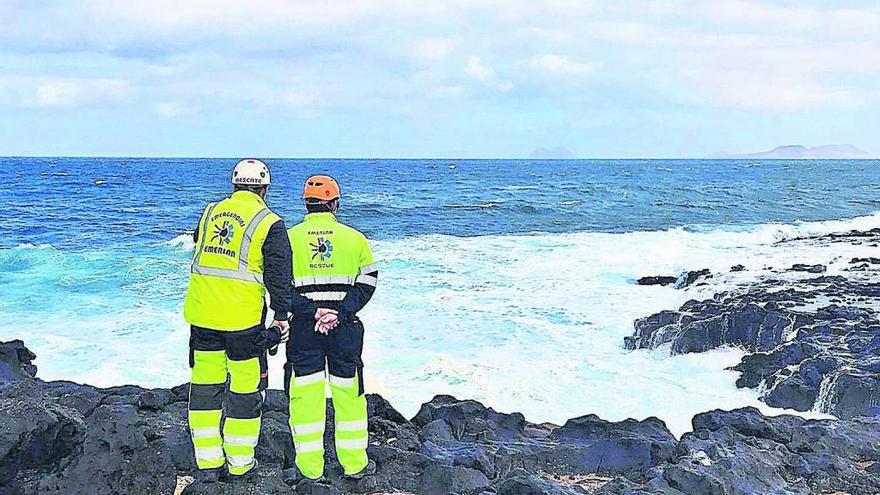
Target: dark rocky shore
(813, 344)
(65, 438)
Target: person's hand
(284, 325)
(328, 322)
(321, 312)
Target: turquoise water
(505, 281)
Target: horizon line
(573, 158)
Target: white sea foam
(530, 323)
(520, 188)
(535, 323)
(181, 241)
(28, 245)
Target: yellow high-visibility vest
(226, 290)
(329, 257)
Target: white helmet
(251, 172)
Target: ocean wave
(554, 308)
(371, 198)
(520, 188)
(181, 241)
(514, 320)
(483, 205)
(28, 246)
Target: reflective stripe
(240, 460)
(302, 381)
(372, 267)
(307, 428)
(240, 440)
(322, 279)
(341, 382)
(366, 279)
(207, 432)
(357, 443)
(242, 273)
(225, 273)
(209, 453)
(308, 446)
(360, 424)
(325, 295)
(248, 234)
(204, 235)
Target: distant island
(840, 151)
(551, 153)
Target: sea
(511, 282)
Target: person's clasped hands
(326, 320)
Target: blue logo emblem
(323, 249)
(223, 232)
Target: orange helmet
(322, 187)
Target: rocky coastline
(812, 344)
(813, 341)
(64, 438)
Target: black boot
(252, 472)
(212, 475)
(294, 477)
(368, 470)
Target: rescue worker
(334, 276)
(242, 249)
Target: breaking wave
(530, 323)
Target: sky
(453, 78)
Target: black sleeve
(199, 224)
(276, 269)
(357, 297)
(301, 306)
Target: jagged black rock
(65, 438)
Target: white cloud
(750, 55)
(170, 109)
(721, 51)
(300, 99)
(226, 15)
(796, 16)
(59, 92)
(70, 93)
(434, 49)
(560, 64)
(478, 70)
(504, 85)
(745, 90)
(235, 16)
(486, 74)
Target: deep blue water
(56, 201)
(507, 281)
